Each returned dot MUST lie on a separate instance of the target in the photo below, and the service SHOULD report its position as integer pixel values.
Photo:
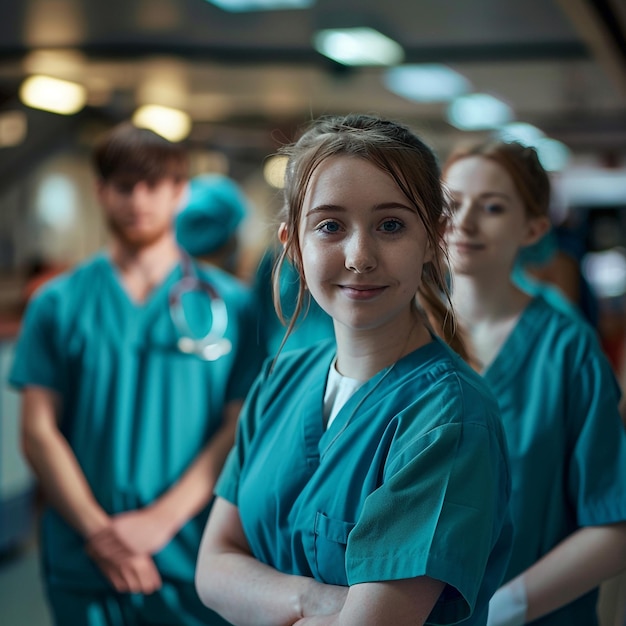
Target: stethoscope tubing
(214, 343)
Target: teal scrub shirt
(410, 479)
(136, 411)
(558, 398)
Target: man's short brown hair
(127, 154)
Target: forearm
(63, 481)
(406, 602)
(194, 490)
(248, 593)
(574, 567)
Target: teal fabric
(313, 324)
(548, 292)
(136, 411)
(215, 208)
(175, 604)
(540, 252)
(411, 478)
(558, 398)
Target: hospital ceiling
(248, 80)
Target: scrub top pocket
(331, 539)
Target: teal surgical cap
(215, 207)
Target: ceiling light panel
(426, 83)
(239, 6)
(478, 111)
(52, 94)
(170, 123)
(358, 47)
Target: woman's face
(489, 222)
(363, 245)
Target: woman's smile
(363, 292)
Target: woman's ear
(537, 227)
(282, 233)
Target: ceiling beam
(606, 44)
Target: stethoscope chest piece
(211, 351)
(213, 344)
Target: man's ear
(537, 227)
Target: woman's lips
(465, 246)
(362, 292)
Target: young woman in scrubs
(369, 480)
(557, 394)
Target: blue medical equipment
(213, 344)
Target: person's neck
(143, 268)
(486, 299)
(488, 311)
(361, 354)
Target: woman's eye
(494, 208)
(391, 226)
(328, 227)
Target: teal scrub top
(136, 411)
(558, 398)
(410, 479)
(313, 324)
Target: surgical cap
(215, 207)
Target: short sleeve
(38, 358)
(597, 467)
(440, 513)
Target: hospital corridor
(312, 312)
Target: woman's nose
(360, 254)
(464, 218)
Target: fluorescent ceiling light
(170, 123)
(274, 171)
(554, 155)
(522, 132)
(358, 46)
(426, 83)
(53, 94)
(606, 271)
(236, 6)
(478, 111)
(593, 187)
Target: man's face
(139, 214)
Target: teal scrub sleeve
(438, 513)
(37, 354)
(597, 470)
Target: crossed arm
(575, 566)
(121, 545)
(247, 592)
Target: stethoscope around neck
(213, 344)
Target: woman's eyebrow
(321, 208)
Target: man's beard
(134, 239)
